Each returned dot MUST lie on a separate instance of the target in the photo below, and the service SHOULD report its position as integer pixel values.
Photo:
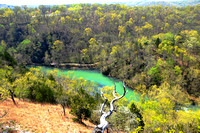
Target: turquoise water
(97, 77)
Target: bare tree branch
(101, 111)
(103, 123)
(114, 91)
(117, 98)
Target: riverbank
(74, 65)
(96, 77)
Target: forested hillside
(142, 45)
(154, 49)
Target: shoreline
(74, 65)
(67, 65)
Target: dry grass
(42, 118)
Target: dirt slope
(41, 118)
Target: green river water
(97, 77)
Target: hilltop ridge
(177, 3)
(133, 3)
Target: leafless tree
(103, 123)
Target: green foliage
(153, 49)
(135, 110)
(25, 42)
(157, 116)
(41, 93)
(40, 88)
(57, 45)
(8, 76)
(82, 105)
(4, 93)
(155, 73)
(10, 60)
(123, 119)
(88, 31)
(24, 45)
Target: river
(97, 77)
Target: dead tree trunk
(103, 123)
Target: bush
(41, 93)
(82, 105)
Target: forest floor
(40, 118)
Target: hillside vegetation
(145, 46)
(154, 49)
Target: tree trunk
(97, 130)
(12, 96)
(63, 110)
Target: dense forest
(154, 49)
